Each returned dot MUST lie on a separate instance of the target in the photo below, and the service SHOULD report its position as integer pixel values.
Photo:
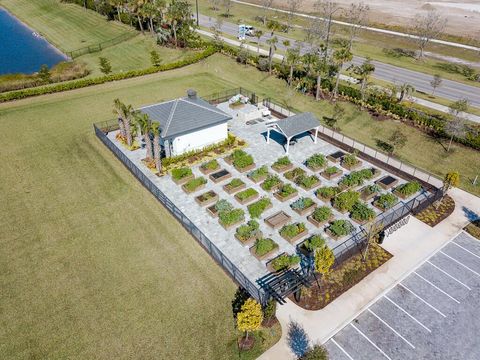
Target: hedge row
(77, 84)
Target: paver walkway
(411, 246)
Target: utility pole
(196, 6)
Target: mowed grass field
(70, 27)
(92, 266)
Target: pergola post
(288, 145)
(316, 135)
(268, 135)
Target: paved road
(450, 90)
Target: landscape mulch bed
(432, 216)
(342, 278)
(474, 229)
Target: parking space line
(461, 247)
(436, 287)
(450, 276)
(370, 341)
(341, 348)
(459, 263)
(391, 328)
(407, 313)
(421, 299)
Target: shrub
(346, 200)
(327, 192)
(409, 188)
(292, 230)
(281, 162)
(223, 205)
(181, 173)
(270, 182)
(270, 309)
(324, 260)
(341, 227)
(386, 201)
(264, 246)
(257, 174)
(316, 161)
(361, 212)
(231, 217)
(257, 208)
(294, 173)
(307, 181)
(317, 352)
(331, 170)
(302, 203)
(245, 194)
(195, 183)
(399, 52)
(248, 230)
(314, 242)
(322, 214)
(210, 165)
(286, 190)
(285, 261)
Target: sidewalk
(410, 245)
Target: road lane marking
(450, 276)
(370, 341)
(461, 247)
(391, 328)
(407, 313)
(421, 299)
(341, 348)
(459, 263)
(436, 287)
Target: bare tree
(327, 9)
(266, 5)
(427, 27)
(357, 16)
(314, 31)
(215, 5)
(293, 7)
(217, 31)
(456, 126)
(436, 82)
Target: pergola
(293, 126)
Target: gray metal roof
(184, 115)
(297, 124)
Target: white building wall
(199, 139)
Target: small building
(189, 123)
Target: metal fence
(100, 46)
(101, 129)
(222, 96)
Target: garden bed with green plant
(246, 196)
(385, 201)
(345, 201)
(293, 232)
(327, 193)
(369, 192)
(259, 174)
(282, 164)
(339, 229)
(311, 244)
(259, 207)
(241, 161)
(248, 233)
(408, 189)
(272, 183)
(356, 178)
(263, 248)
(350, 161)
(303, 206)
(285, 192)
(307, 182)
(331, 172)
(362, 213)
(283, 262)
(294, 174)
(209, 167)
(206, 198)
(181, 175)
(320, 216)
(233, 186)
(316, 162)
(194, 184)
(230, 217)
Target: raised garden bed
(387, 182)
(286, 192)
(246, 196)
(234, 186)
(248, 233)
(207, 198)
(209, 167)
(194, 184)
(282, 262)
(316, 162)
(342, 278)
(308, 182)
(259, 207)
(242, 161)
(362, 213)
(278, 219)
(320, 216)
(231, 218)
(350, 162)
(219, 206)
(331, 172)
(303, 206)
(345, 201)
(385, 201)
(339, 229)
(314, 242)
(293, 232)
(181, 175)
(272, 183)
(282, 164)
(369, 192)
(336, 156)
(258, 175)
(327, 193)
(436, 213)
(355, 178)
(220, 176)
(263, 248)
(294, 174)
(406, 190)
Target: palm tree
(405, 91)
(118, 110)
(143, 120)
(117, 4)
(272, 42)
(363, 72)
(293, 56)
(151, 10)
(155, 128)
(127, 112)
(135, 7)
(340, 57)
(258, 34)
(286, 45)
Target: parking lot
(431, 314)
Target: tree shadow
(470, 214)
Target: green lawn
(92, 266)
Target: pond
(22, 50)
